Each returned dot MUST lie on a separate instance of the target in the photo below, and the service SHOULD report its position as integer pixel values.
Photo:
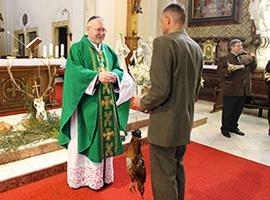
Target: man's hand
(252, 55)
(107, 77)
(135, 103)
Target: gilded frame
(214, 12)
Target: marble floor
(255, 145)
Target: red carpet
(210, 174)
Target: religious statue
(140, 65)
(260, 14)
(147, 47)
(137, 6)
(122, 51)
(1, 20)
(143, 54)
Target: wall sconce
(65, 12)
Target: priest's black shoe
(238, 132)
(225, 133)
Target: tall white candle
(62, 50)
(50, 50)
(44, 51)
(56, 51)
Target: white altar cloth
(32, 62)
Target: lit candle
(56, 51)
(62, 50)
(44, 51)
(51, 50)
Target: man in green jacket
(175, 75)
(89, 125)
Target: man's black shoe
(225, 133)
(238, 132)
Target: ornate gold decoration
(107, 102)
(10, 91)
(108, 116)
(106, 89)
(35, 87)
(209, 49)
(109, 146)
(108, 134)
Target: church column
(8, 40)
(132, 26)
(77, 20)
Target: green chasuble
(123, 111)
(98, 121)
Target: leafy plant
(34, 131)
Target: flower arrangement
(140, 73)
(140, 66)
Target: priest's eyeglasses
(99, 30)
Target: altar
(31, 75)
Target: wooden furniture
(258, 98)
(25, 72)
(211, 81)
(212, 91)
(215, 48)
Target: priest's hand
(104, 77)
(113, 78)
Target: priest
(89, 126)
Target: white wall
(77, 18)
(160, 7)
(89, 9)
(41, 15)
(114, 13)
(43, 12)
(107, 10)
(147, 20)
(120, 18)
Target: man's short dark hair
(234, 41)
(177, 9)
(93, 18)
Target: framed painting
(214, 12)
